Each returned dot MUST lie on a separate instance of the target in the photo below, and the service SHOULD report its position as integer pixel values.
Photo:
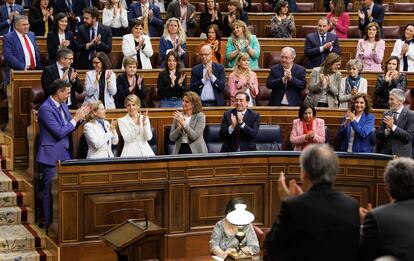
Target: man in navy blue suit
(8, 11)
(286, 80)
(150, 16)
(55, 127)
(208, 79)
(92, 37)
(20, 48)
(73, 8)
(370, 12)
(319, 44)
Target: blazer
(174, 10)
(205, 20)
(344, 97)
(84, 37)
(164, 86)
(128, 49)
(154, 24)
(410, 55)
(318, 225)
(53, 44)
(122, 90)
(342, 24)
(50, 74)
(253, 61)
(36, 22)
(362, 136)
(383, 88)
(226, 30)
(92, 89)
(398, 142)
(99, 141)
(54, 133)
(293, 88)
(236, 84)
(60, 6)
(293, 8)
(14, 54)
(371, 59)
(194, 130)
(297, 136)
(197, 85)
(385, 232)
(240, 138)
(165, 47)
(332, 90)
(4, 16)
(377, 16)
(312, 48)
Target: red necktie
(32, 60)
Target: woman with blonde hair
(173, 39)
(115, 16)
(135, 129)
(242, 41)
(99, 134)
(188, 126)
(243, 79)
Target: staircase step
(11, 198)
(8, 182)
(20, 238)
(34, 255)
(16, 215)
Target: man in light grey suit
(397, 127)
(183, 10)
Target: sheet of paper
(217, 258)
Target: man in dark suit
(286, 80)
(55, 127)
(397, 127)
(208, 79)
(320, 224)
(74, 10)
(61, 70)
(187, 18)
(319, 44)
(387, 230)
(370, 12)
(149, 14)
(20, 56)
(8, 11)
(239, 126)
(92, 37)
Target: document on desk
(217, 258)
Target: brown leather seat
(267, 8)
(200, 7)
(263, 97)
(252, 28)
(256, 8)
(391, 32)
(270, 59)
(268, 31)
(306, 29)
(354, 32)
(403, 7)
(35, 98)
(116, 59)
(306, 7)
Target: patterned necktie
(145, 21)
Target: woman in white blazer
(138, 45)
(135, 129)
(352, 84)
(102, 79)
(404, 49)
(99, 134)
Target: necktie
(395, 116)
(63, 70)
(93, 48)
(11, 24)
(29, 50)
(145, 22)
(11, 9)
(62, 113)
(70, 6)
(323, 41)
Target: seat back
(212, 138)
(270, 59)
(200, 7)
(268, 31)
(252, 28)
(391, 32)
(263, 98)
(267, 8)
(168, 144)
(269, 137)
(306, 29)
(353, 32)
(403, 7)
(256, 8)
(306, 7)
(326, 135)
(373, 140)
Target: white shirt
(183, 10)
(62, 37)
(120, 20)
(60, 67)
(208, 93)
(26, 52)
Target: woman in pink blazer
(370, 49)
(307, 129)
(339, 19)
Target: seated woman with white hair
(352, 84)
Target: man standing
(183, 10)
(387, 229)
(8, 11)
(239, 126)
(20, 48)
(397, 127)
(92, 37)
(286, 80)
(208, 79)
(150, 16)
(319, 44)
(55, 126)
(370, 12)
(320, 224)
(61, 70)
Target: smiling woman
(404, 49)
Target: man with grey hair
(320, 224)
(286, 80)
(387, 230)
(397, 127)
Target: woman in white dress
(99, 133)
(135, 129)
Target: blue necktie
(70, 6)
(11, 24)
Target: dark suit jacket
(319, 225)
(60, 6)
(196, 85)
(312, 45)
(243, 137)
(122, 91)
(293, 88)
(54, 140)
(386, 231)
(398, 142)
(363, 130)
(36, 22)
(84, 37)
(154, 24)
(377, 16)
(14, 54)
(164, 86)
(174, 10)
(53, 44)
(226, 30)
(50, 74)
(4, 15)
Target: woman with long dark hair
(217, 45)
(404, 49)
(41, 17)
(338, 19)
(283, 22)
(235, 13)
(211, 15)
